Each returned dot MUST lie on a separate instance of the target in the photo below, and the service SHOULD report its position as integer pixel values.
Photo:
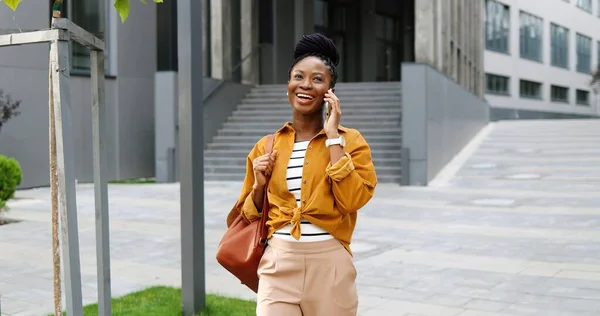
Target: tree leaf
(13, 4)
(122, 7)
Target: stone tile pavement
(515, 231)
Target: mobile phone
(326, 111)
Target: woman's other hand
(263, 167)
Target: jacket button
(304, 182)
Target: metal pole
(65, 156)
(100, 185)
(191, 140)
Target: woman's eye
(318, 79)
(298, 76)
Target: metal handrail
(233, 70)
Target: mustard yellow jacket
(331, 195)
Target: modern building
(252, 41)
(247, 44)
(539, 58)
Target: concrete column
(441, 37)
(453, 39)
(206, 63)
(283, 39)
(445, 37)
(368, 47)
(425, 31)
(165, 120)
(304, 18)
(463, 43)
(353, 45)
(221, 40)
(249, 41)
(480, 48)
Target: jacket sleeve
(245, 204)
(353, 176)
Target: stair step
(242, 153)
(390, 164)
(341, 86)
(277, 112)
(238, 174)
(387, 178)
(350, 121)
(239, 165)
(340, 94)
(350, 100)
(239, 177)
(224, 176)
(365, 123)
(345, 106)
(391, 133)
(375, 146)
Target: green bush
(10, 178)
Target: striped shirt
(310, 232)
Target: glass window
(495, 84)
(585, 5)
(582, 97)
(530, 89)
(598, 55)
(497, 26)
(166, 37)
(559, 94)
(321, 13)
(530, 36)
(89, 15)
(584, 53)
(559, 46)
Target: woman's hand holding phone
(334, 113)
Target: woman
(321, 174)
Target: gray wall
(439, 118)
(220, 105)
(220, 100)
(129, 99)
(498, 114)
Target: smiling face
(309, 81)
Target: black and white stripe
(310, 232)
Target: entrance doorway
(388, 38)
(331, 20)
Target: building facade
(247, 42)
(130, 70)
(252, 41)
(539, 59)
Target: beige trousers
(306, 279)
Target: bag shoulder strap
(263, 231)
(270, 142)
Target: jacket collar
(289, 127)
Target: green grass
(134, 181)
(166, 301)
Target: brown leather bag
(244, 243)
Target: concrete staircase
(372, 108)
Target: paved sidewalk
(516, 231)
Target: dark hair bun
(317, 44)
